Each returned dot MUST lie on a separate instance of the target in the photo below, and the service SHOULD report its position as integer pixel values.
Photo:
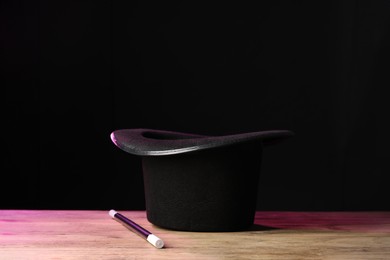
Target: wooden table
(29, 234)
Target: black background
(74, 71)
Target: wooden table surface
(33, 234)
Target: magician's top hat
(197, 182)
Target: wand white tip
(112, 213)
(157, 242)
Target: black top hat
(196, 182)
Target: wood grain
(32, 234)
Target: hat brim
(150, 142)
